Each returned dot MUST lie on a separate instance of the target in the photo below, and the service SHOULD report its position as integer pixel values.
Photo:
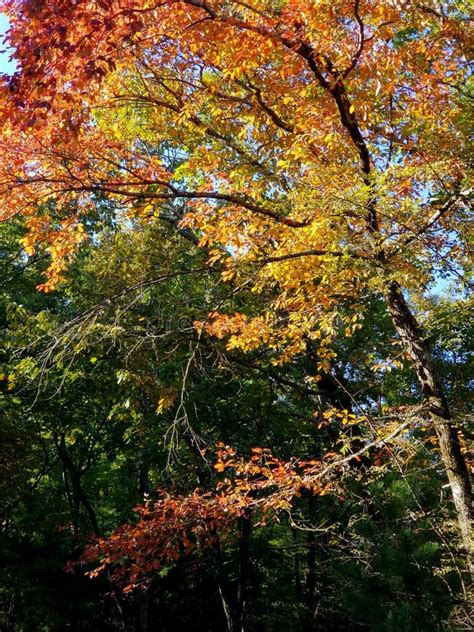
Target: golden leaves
(166, 400)
(243, 333)
(244, 113)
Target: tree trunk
(438, 409)
(296, 567)
(311, 565)
(143, 624)
(75, 476)
(80, 497)
(245, 527)
(221, 584)
(143, 614)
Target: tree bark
(296, 567)
(143, 623)
(245, 527)
(221, 584)
(310, 595)
(75, 476)
(405, 322)
(438, 409)
(143, 613)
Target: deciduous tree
(316, 150)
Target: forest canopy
(236, 316)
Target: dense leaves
(241, 398)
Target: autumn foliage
(314, 151)
(174, 525)
(294, 120)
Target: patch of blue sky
(7, 66)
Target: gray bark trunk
(438, 410)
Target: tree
(93, 361)
(315, 150)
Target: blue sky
(5, 65)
